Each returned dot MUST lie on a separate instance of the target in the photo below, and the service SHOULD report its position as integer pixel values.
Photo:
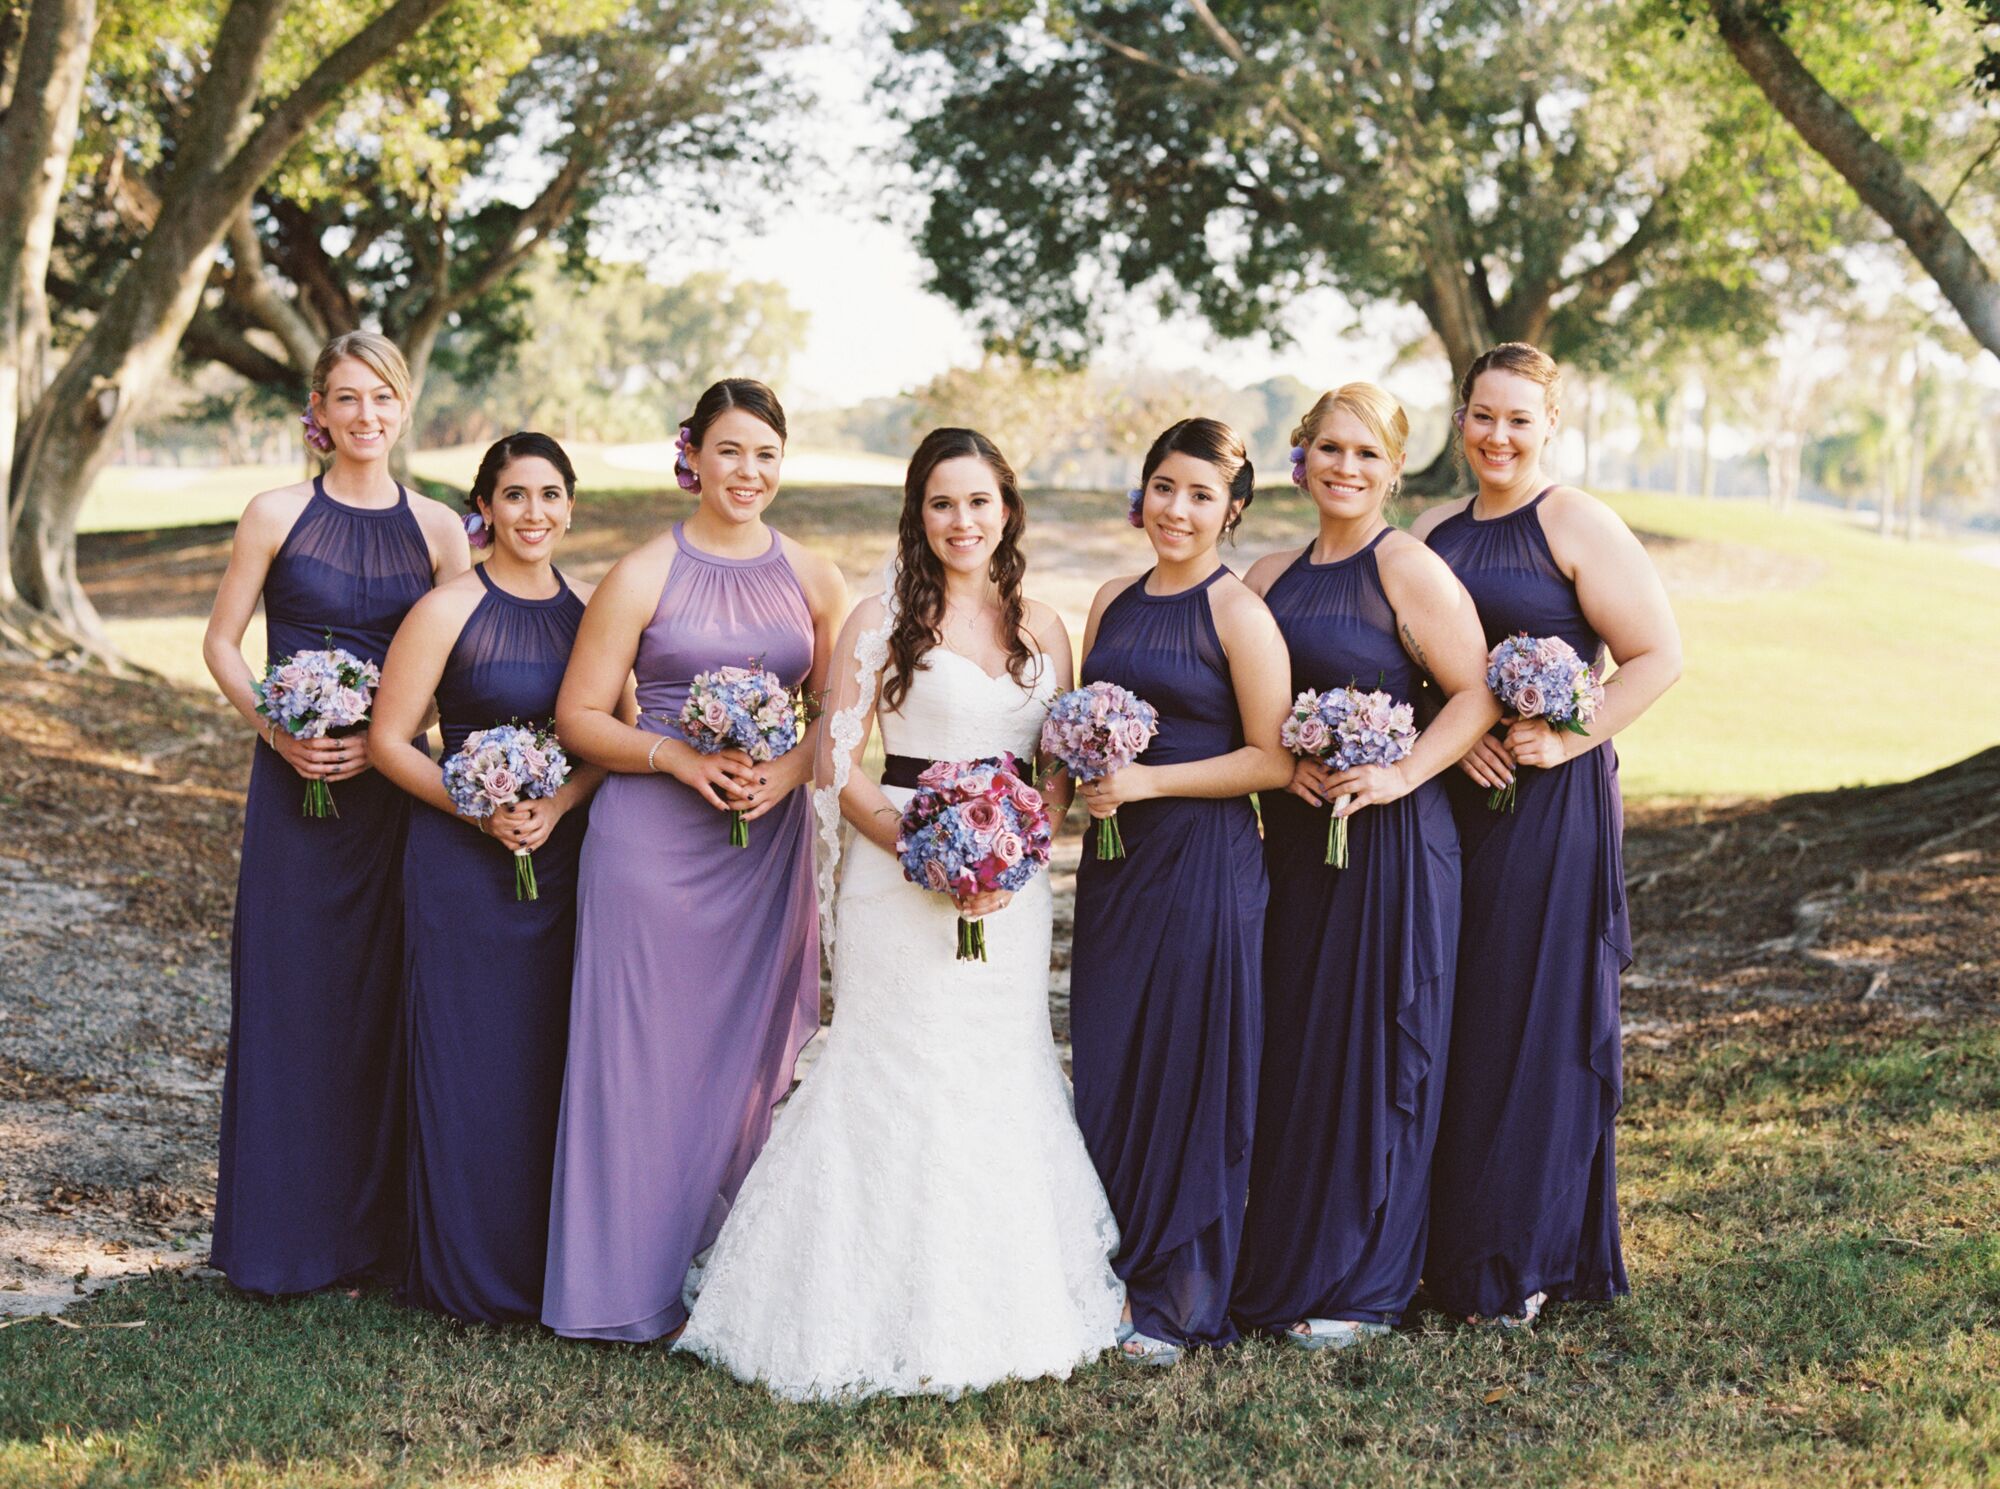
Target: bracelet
(650, 767)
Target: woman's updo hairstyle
(1222, 447)
(745, 393)
(1520, 359)
(377, 353)
(1379, 413)
(520, 445)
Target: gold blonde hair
(377, 353)
(1381, 413)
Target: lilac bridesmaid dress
(1358, 972)
(1524, 1196)
(697, 977)
(1166, 997)
(310, 1187)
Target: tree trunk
(1707, 442)
(1877, 176)
(221, 156)
(1677, 436)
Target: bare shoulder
(869, 612)
(1044, 624)
(439, 522)
(270, 514)
(642, 571)
(1408, 567)
(1111, 589)
(1264, 573)
(1428, 520)
(448, 606)
(1572, 509)
(1234, 604)
(818, 575)
(583, 589)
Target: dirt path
(120, 808)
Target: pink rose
(1008, 848)
(1529, 702)
(1026, 797)
(1133, 736)
(715, 715)
(935, 876)
(502, 785)
(1312, 735)
(982, 816)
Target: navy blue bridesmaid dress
(1165, 995)
(1358, 971)
(487, 990)
(310, 1188)
(1524, 1195)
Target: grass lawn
(1813, 1235)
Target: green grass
(1814, 1239)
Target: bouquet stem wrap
(1336, 834)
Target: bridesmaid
(311, 1187)
(697, 964)
(486, 986)
(1165, 1003)
(1524, 1200)
(1358, 962)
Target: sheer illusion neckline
(402, 501)
(681, 542)
(493, 587)
(1180, 594)
(1334, 563)
(1526, 506)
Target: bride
(925, 1217)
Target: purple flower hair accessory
(316, 434)
(1299, 465)
(1135, 499)
(683, 467)
(477, 533)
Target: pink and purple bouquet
(745, 708)
(1343, 728)
(1542, 677)
(497, 767)
(309, 695)
(973, 826)
(1093, 731)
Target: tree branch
(250, 290)
(209, 338)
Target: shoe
(1332, 1333)
(1143, 1349)
(1530, 1310)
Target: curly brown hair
(920, 575)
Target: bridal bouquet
(747, 708)
(1093, 731)
(973, 826)
(1343, 728)
(1542, 677)
(497, 767)
(309, 694)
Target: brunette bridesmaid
(1358, 961)
(1524, 1200)
(487, 976)
(1165, 975)
(697, 963)
(310, 1188)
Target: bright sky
(874, 328)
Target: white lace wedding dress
(925, 1217)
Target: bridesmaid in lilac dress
(697, 965)
(310, 1189)
(1166, 999)
(1524, 1199)
(1358, 961)
(487, 976)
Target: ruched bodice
(1507, 566)
(720, 612)
(507, 664)
(1340, 627)
(965, 720)
(352, 571)
(1164, 648)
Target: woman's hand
(1533, 742)
(722, 779)
(1489, 762)
(1309, 781)
(1107, 794)
(525, 824)
(774, 780)
(1366, 786)
(986, 902)
(322, 759)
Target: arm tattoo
(1415, 651)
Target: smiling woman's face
(1186, 507)
(529, 509)
(738, 463)
(1507, 422)
(1348, 472)
(360, 411)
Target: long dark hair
(920, 577)
(505, 451)
(1222, 447)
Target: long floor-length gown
(310, 1188)
(1358, 967)
(487, 990)
(697, 976)
(1524, 1194)
(1165, 981)
(925, 1218)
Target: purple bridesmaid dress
(697, 977)
(487, 990)
(1165, 1003)
(310, 1187)
(1524, 1196)
(1358, 971)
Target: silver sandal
(1332, 1333)
(1530, 1310)
(1144, 1349)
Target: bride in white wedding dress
(925, 1217)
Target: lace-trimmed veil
(857, 681)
